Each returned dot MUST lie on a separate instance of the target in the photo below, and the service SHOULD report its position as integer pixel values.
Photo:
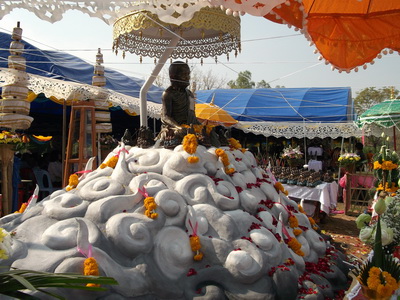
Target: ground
(344, 232)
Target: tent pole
(64, 144)
(146, 86)
(394, 139)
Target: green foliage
(242, 82)
(13, 282)
(263, 85)
(370, 96)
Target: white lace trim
(75, 91)
(301, 130)
(175, 12)
(169, 11)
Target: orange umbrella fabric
(210, 114)
(347, 33)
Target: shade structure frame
(210, 33)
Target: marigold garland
(297, 231)
(279, 187)
(225, 160)
(72, 182)
(195, 245)
(91, 268)
(295, 246)
(150, 206)
(293, 222)
(112, 162)
(22, 208)
(190, 146)
(233, 143)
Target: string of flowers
(280, 188)
(111, 162)
(72, 182)
(190, 146)
(292, 242)
(149, 204)
(90, 266)
(312, 221)
(195, 242)
(225, 161)
(235, 144)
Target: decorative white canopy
(69, 90)
(174, 12)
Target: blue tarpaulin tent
(64, 66)
(283, 104)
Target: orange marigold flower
(297, 231)
(91, 268)
(190, 143)
(112, 162)
(193, 159)
(198, 256)
(293, 222)
(377, 165)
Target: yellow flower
(3, 254)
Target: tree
(200, 80)
(207, 80)
(242, 82)
(370, 96)
(263, 85)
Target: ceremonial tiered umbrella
(211, 114)
(348, 34)
(209, 33)
(384, 115)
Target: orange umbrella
(211, 114)
(347, 33)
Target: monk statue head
(179, 74)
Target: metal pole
(146, 86)
(64, 138)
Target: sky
(271, 52)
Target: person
(55, 168)
(178, 108)
(360, 152)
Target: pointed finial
(212, 100)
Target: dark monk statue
(178, 100)
(178, 109)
